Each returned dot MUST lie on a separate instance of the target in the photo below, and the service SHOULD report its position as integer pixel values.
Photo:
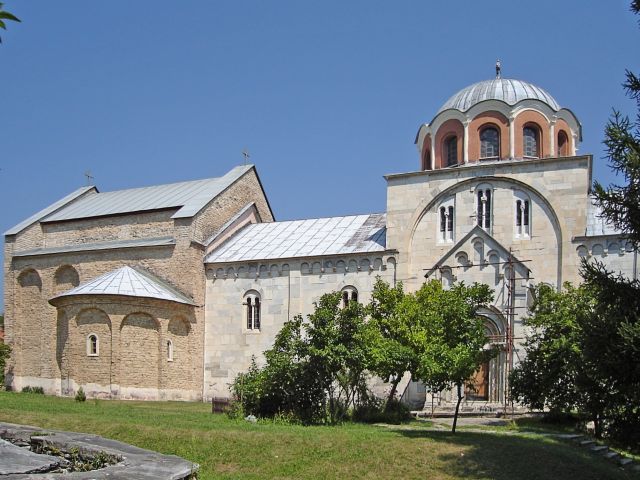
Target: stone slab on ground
(15, 460)
(135, 463)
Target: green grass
(229, 449)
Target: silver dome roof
(507, 90)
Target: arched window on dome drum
(563, 144)
(489, 143)
(451, 150)
(531, 142)
(427, 161)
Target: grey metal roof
(231, 221)
(46, 211)
(189, 197)
(83, 247)
(130, 282)
(507, 90)
(596, 224)
(304, 238)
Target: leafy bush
(377, 410)
(5, 351)
(37, 390)
(315, 371)
(80, 395)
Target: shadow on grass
(501, 456)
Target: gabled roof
(130, 282)
(492, 243)
(188, 197)
(48, 210)
(304, 238)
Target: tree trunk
(455, 415)
(392, 394)
(597, 426)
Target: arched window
(427, 161)
(93, 345)
(451, 150)
(531, 141)
(563, 144)
(446, 221)
(349, 294)
(252, 310)
(522, 215)
(489, 143)
(169, 351)
(483, 206)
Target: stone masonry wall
(226, 205)
(32, 323)
(286, 288)
(133, 360)
(558, 189)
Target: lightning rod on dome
(498, 69)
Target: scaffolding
(508, 310)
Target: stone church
(166, 292)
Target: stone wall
(286, 288)
(133, 361)
(558, 189)
(230, 202)
(33, 325)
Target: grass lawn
(227, 448)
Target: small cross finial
(245, 154)
(498, 69)
(89, 176)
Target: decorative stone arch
(446, 276)
(446, 131)
(140, 352)
(178, 350)
(252, 310)
(582, 251)
(348, 293)
(426, 153)
(65, 278)
(482, 121)
(82, 368)
(532, 118)
(425, 206)
(490, 379)
(574, 129)
(563, 143)
(29, 277)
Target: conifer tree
(620, 204)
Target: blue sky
(327, 96)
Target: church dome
(506, 90)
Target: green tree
(610, 349)
(448, 336)
(617, 321)
(4, 15)
(390, 348)
(5, 351)
(620, 204)
(316, 369)
(556, 373)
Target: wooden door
(478, 386)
